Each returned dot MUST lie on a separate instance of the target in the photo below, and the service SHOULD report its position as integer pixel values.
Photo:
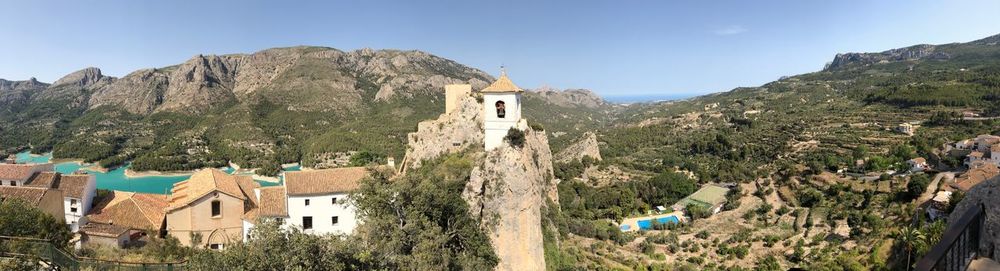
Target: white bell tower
(501, 109)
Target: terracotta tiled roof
(976, 154)
(17, 171)
(272, 202)
(502, 84)
(31, 195)
(974, 176)
(919, 160)
(101, 229)
(324, 181)
(995, 148)
(131, 210)
(207, 181)
(44, 180)
(73, 185)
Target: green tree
(21, 219)
(420, 221)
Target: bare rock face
(139, 92)
(200, 83)
(304, 78)
(75, 88)
(985, 193)
(506, 190)
(507, 193)
(17, 93)
(570, 97)
(461, 129)
(923, 51)
(586, 146)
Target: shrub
(515, 137)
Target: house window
(72, 201)
(72, 209)
(215, 246)
(216, 208)
(335, 220)
(333, 201)
(307, 202)
(307, 222)
(501, 109)
(13, 183)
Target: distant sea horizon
(645, 98)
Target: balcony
(962, 246)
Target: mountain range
(300, 103)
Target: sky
(615, 48)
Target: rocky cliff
(17, 93)
(586, 146)
(300, 78)
(985, 194)
(570, 97)
(506, 189)
(923, 51)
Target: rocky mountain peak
(570, 97)
(81, 78)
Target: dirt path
(932, 187)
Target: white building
(78, 196)
(20, 174)
(502, 110)
(78, 190)
(917, 164)
(317, 200)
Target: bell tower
(501, 109)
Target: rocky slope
(570, 97)
(923, 51)
(984, 194)
(507, 188)
(18, 93)
(586, 146)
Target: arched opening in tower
(501, 109)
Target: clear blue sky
(612, 47)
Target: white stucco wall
(75, 219)
(496, 128)
(322, 209)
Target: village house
(118, 213)
(317, 199)
(20, 174)
(77, 190)
(50, 201)
(977, 173)
(983, 143)
(210, 208)
(272, 205)
(917, 164)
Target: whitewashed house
(317, 200)
(917, 164)
(78, 192)
(20, 174)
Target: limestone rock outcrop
(586, 146)
(508, 187)
(986, 194)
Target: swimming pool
(648, 223)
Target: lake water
(116, 179)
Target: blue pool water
(648, 223)
(116, 179)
